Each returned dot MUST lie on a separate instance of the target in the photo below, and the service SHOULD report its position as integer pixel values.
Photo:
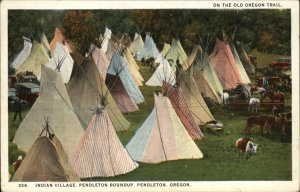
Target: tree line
(267, 30)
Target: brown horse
(274, 96)
(266, 122)
(263, 121)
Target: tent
(204, 75)
(126, 40)
(176, 96)
(133, 67)
(58, 38)
(176, 52)
(118, 67)
(149, 49)
(107, 36)
(86, 88)
(249, 67)
(137, 44)
(224, 64)
(162, 136)
(38, 56)
(166, 48)
(45, 161)
(194, 100)
(53, 103)
(62, 61)
(23, 55)
(244, 77)
(100, 152)
(113, 47)
(100, 60)
(45, 43)
(162, 73)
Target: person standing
(18, 108)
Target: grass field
(273, 160)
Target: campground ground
(273, 160)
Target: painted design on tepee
(62, 61)
(55, 104)
(162, 136)
(100, 152)
(23, 55)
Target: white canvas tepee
(149, 50)
(137, 44)
(53, 103)
(62, 61)
(23, 55)
(162, 73)
(162, 136)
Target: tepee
(100, 152)
(244, 77)
(58, 38)
(162, 73)
(126, 40)
(107, 36)
(162, 136)
(62, 61)
(249, 67)
(137, 44)
(23, 55)
(118, 67)
(224, 64)
(46, 161)
(176, 96)
(176, 52)
(55, 104)
(86, 87)
(133, 67)
(38, 56)
(149, 49)
(166, 48)
(204, 75)
(194, 100)
(100, 59)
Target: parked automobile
(28, 91)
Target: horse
(225, 99)
(254, 104)
(263, 121)
(274, 96)
(266, 122)
(259, 90)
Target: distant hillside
(264, 59)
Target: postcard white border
(194, 185)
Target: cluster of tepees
(70, 131)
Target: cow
(245, 145)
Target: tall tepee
(162, 136)
(100, 152)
